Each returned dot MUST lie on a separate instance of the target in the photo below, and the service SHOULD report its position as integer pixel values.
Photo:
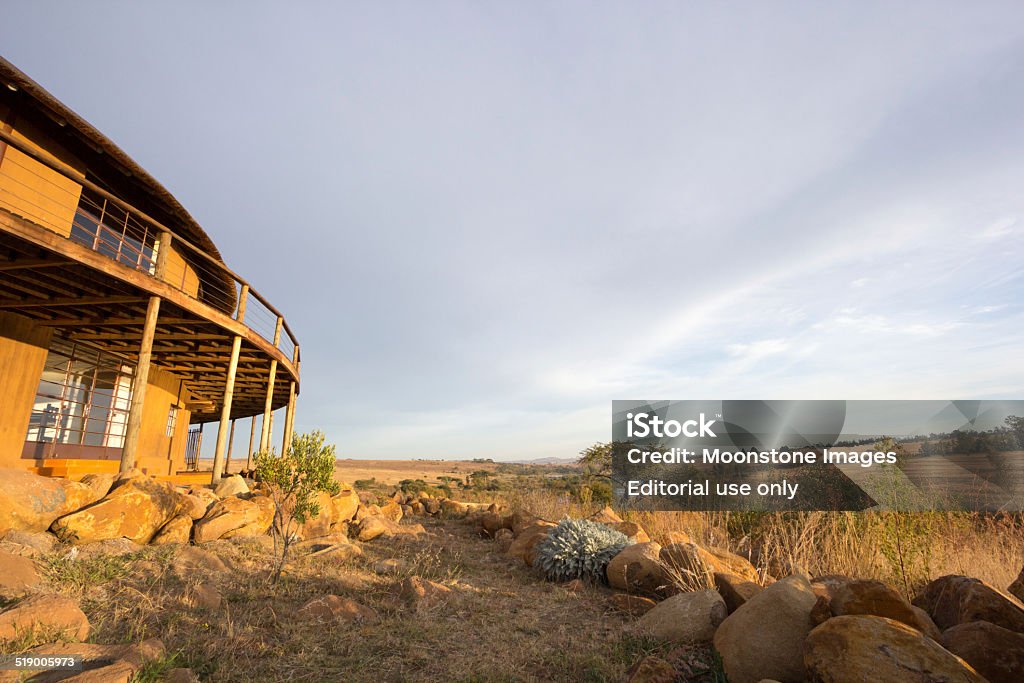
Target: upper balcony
(83, 259)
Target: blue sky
(485, 221)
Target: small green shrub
(364, 484)
(578, 549)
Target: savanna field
(430, 571)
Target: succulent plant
(578, 549)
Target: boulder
(190, 560)
(178, 530)
(454, 508)
(524, 546)
(416, 508)
(134, 509)
(231, 486)
(431, 506)
(99, 483)
(28, 543)
(638, 569)
(952, 600)
(195, 506)
(232, 516)
(633, 531)
(1016, 589)
(763, 637)
(521, 520)
(338, 552)
(684, 618)
(503, 538)
(874, 597)
(651, 669)
(101, 663)
(378, 525)
(869, 648)
(995, 652)
(392, 511)
(319, 525)
(18, 576)
(52, 615)
(421, 593)
(696, 566)
(335, 608)
(345, 505)
(493, 522)
(634, 605)
(677, 537)
(605, 516)
(735, 590)
(203, 596)
(29, 502)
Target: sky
(485, 221)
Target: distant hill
(545, 461)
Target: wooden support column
(225, 411)
(161, 255)
(289, 419)
(231, 447)
(252, 440)
(131, 432)
(268, 414)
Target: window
(172, 420)
(82, 398)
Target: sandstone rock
(231, 486)
(684, 618)
(339, 552)
(633, 531)
(651, 669)
(503, 539)
(378, 525)
(1016, 589)
(735, 590)
(869, 648)
(694, 566)
(18, 576)
(493, 522)
(638, 569)
(524, 546)
(952, 600)
(28, 542)
(102, 663)
(454, 508)
(29, 502)
(634, 605)
(134, 509)
(345, 505)
(605, 516)
(100, 484)
(320, 543)
(416, 508)
(925, 624)
(178, 530)
(202, 596)
(234, 516)
(191, 559)
(763, 637)
(521, 520)
(205, 494)
(392, 511)
(995, 652)
(422, 593)
(432, 506)
(876, 598)
(195, 506)
(335, 608)
(677, 537)
(181, 675)
(407, 511)
(389, 566)
(48, 614)
(829, 584)
(319, 525)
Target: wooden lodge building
(122, 330)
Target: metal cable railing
(58, 198)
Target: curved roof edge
(12, 75)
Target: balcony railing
(116, 229)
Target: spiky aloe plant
(578, 549)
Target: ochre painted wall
(31, 190)
(23, 347)
(159, 453)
